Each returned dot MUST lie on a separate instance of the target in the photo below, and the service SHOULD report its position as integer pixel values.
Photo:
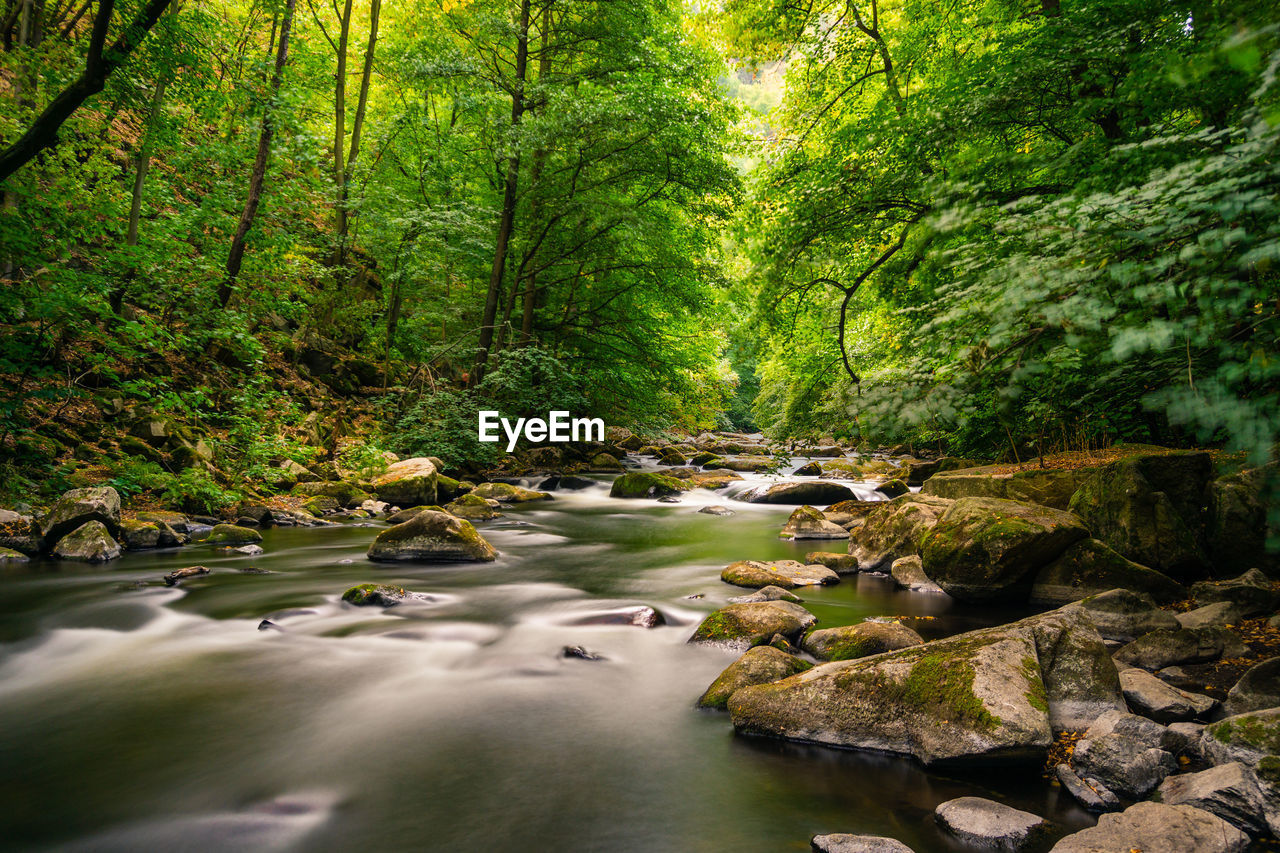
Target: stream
(141, 717)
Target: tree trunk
(539, 157)
(340, 130)
(507, 219)
(344, 193)
(236, 256)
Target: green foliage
(195, 490)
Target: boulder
(89, 543)
(1230, 791)
(1124, 615)
(894, 529)
(407, 483)
(321, 505)
(433, 537)
(838, 563)
(403, 515)
(78, 507)
(1257, 689)
(995, 693)
(1219, 614)
(746, 625)
(638, 484)
(1247, 738)
(979, 822)
(472, 507)
(747, 463)
(381, 595)
(848, 642)
(809, 523)
(908, 572)
(508, 494)
(799, 493)
(716, 510)
(918, 472)
(1252, 592)
(1236, 520)
(1089, 567)
(1147, 507)
(635, 616)
(1172, 647)
(346, 494)
(1123, 752)
(986, 549)
(9, 556)
(768, 593)
(893, 488)
(809, 469)
(672, 456)
(604, 463)
(1156, 828)
(139, 535)
(787, 574)
(843, 842)
(759, 665)
(1164, 703)
(1051, 487)
(1095, 798)
(232, 534)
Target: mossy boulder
(1257, 689)
(91, 542)
(139, 535)
(892, 488)
(799, 493)
(79, 506)
(472, 507)
(639, 484)
(1124, 615)
(1248, 738)
(1051, 487)
(401, 516)
(1176, 646)
(1089, 567)
(787, 574)
(706, 459)
(982, 549)
(759, 665)
(381, 595)
(996, 693)
(346, 494)
(447, 488)
(432, 537)
(807, 522)
(1236, 525)
(848, 642)
(895, 529)
(918, 472)
(508, 494)
(841, 564)
(605, 463)
(8, 556)
(321, 505)
(233, 534)
(407, 482)
(750, 464)
(745, 625)
(1252, 592)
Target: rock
(579, 653)
(10, 556)
(894, 529)
(799, 493)
(1184, 739)
(843, 842)
(768, 593)
(995, 693)
(1219, 614)
(638, 484)
(1236, 520)
(174, 577)
(139, 535)
(1051, 487)
(473, 507)
(508, 494)
(1123, 752)
(249, 550)
(78, 507)
(1252, 592)
(1124, 615)
(1230, 791)
(401, 516)
(297, 473)
(672, 456)
(908, 572)
(810, 469)
(893, 488)
(808, 523)
(268, 625)
(408, 482)
(1089, 567)
(321, 505)
(381, 595)
(432, 537)
(759, 665)
(1257, 689)
(1169, 647)
(1095, 799)
(346, 494)
(750, 624)
(1147, 508)
(231, 534)
(1156, 828)
(565, 482)
(787, 574)
(918, 472)
(985, 823)
(859, 641)
(982, 549)
(1164, 703)
(748, 463)
(716, 510)
(705, 458)
(89, 543)
(838, 563)
(1247, 738)
(638, 616)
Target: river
(140, 717)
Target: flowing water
(139, 717)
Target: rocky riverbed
(885, 647)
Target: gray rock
(809, 523)
(1089, 567)
(10, 556)
(1211, 615)
(1251, 592)
(1164, 647)
(845, 843)
(745, 625)
(1124, 615)
(1247, 738)
(1156, 828)
(894, 529)
(1257, 689)
(1184, 739)
(79, 506)
(636, 616)
(432, 536)
(908, 572)
(1095, 799)
(858, 641)
(799, 493)
(986, 823)
(1230, 791)
(760, 665)
(1164, 703)
(1123, 752)
(768, 593)
(410, 482)
(716, 510)
(787, 574)
(88, 543)
(139, 535)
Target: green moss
(1269, 770)
(640, 484)
(371, 593)
(1037, 697)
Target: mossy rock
(346, 494)
(1248, 738)
(839, 563)
(10, 556)
(605, 462)
(787, 574)
(233, 534)
(408, 482)
(138, 535)
(432, 537)
(759, 665)
(746, 625)
(638, 484)
(91, 542)
(848, 642)
(79, 506)
(894, 529)
(473, 507)
(706, 459)
(375, 595)
(321, 505)
(808, 522)
(507, 493)
(1089, 567)
(892, 488)
(447, 488)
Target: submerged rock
(580, 653)
(759, 665)
(848, 642)
(639, 616)
(787, 574)
(432, 537)
(768, 593)
(716, 510)
(809, 523)
(382, 595)
(78, 507)
(894, 529)
(88, 543)
(1089, 567)
(639, 484)
(985, 823)
(799, 493)
(1156, 828)
(746, 625)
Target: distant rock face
(981, 549)
(985, 823)
(809, 523)
(750, 624)
(894, 529)
(78, 506)
(787, 574)
(433, 537)
(1089, 567)
(799, 493)
(760, 665)
(409, 482)
(1156, 828)
(88, 543)
(999, 692)
(848, 642)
